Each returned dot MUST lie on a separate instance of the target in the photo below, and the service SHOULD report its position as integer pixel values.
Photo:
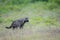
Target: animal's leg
(21, 26)
(13, 27)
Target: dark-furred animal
(18, 23)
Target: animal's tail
(8, 27)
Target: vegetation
(10, 8)
(41, 14)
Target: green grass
(35, 11)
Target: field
(44, 21)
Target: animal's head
(26, 20)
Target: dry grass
(31, 33)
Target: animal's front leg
(14, 27)
(21, 26)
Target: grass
(43, 22)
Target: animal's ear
(26, 18)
